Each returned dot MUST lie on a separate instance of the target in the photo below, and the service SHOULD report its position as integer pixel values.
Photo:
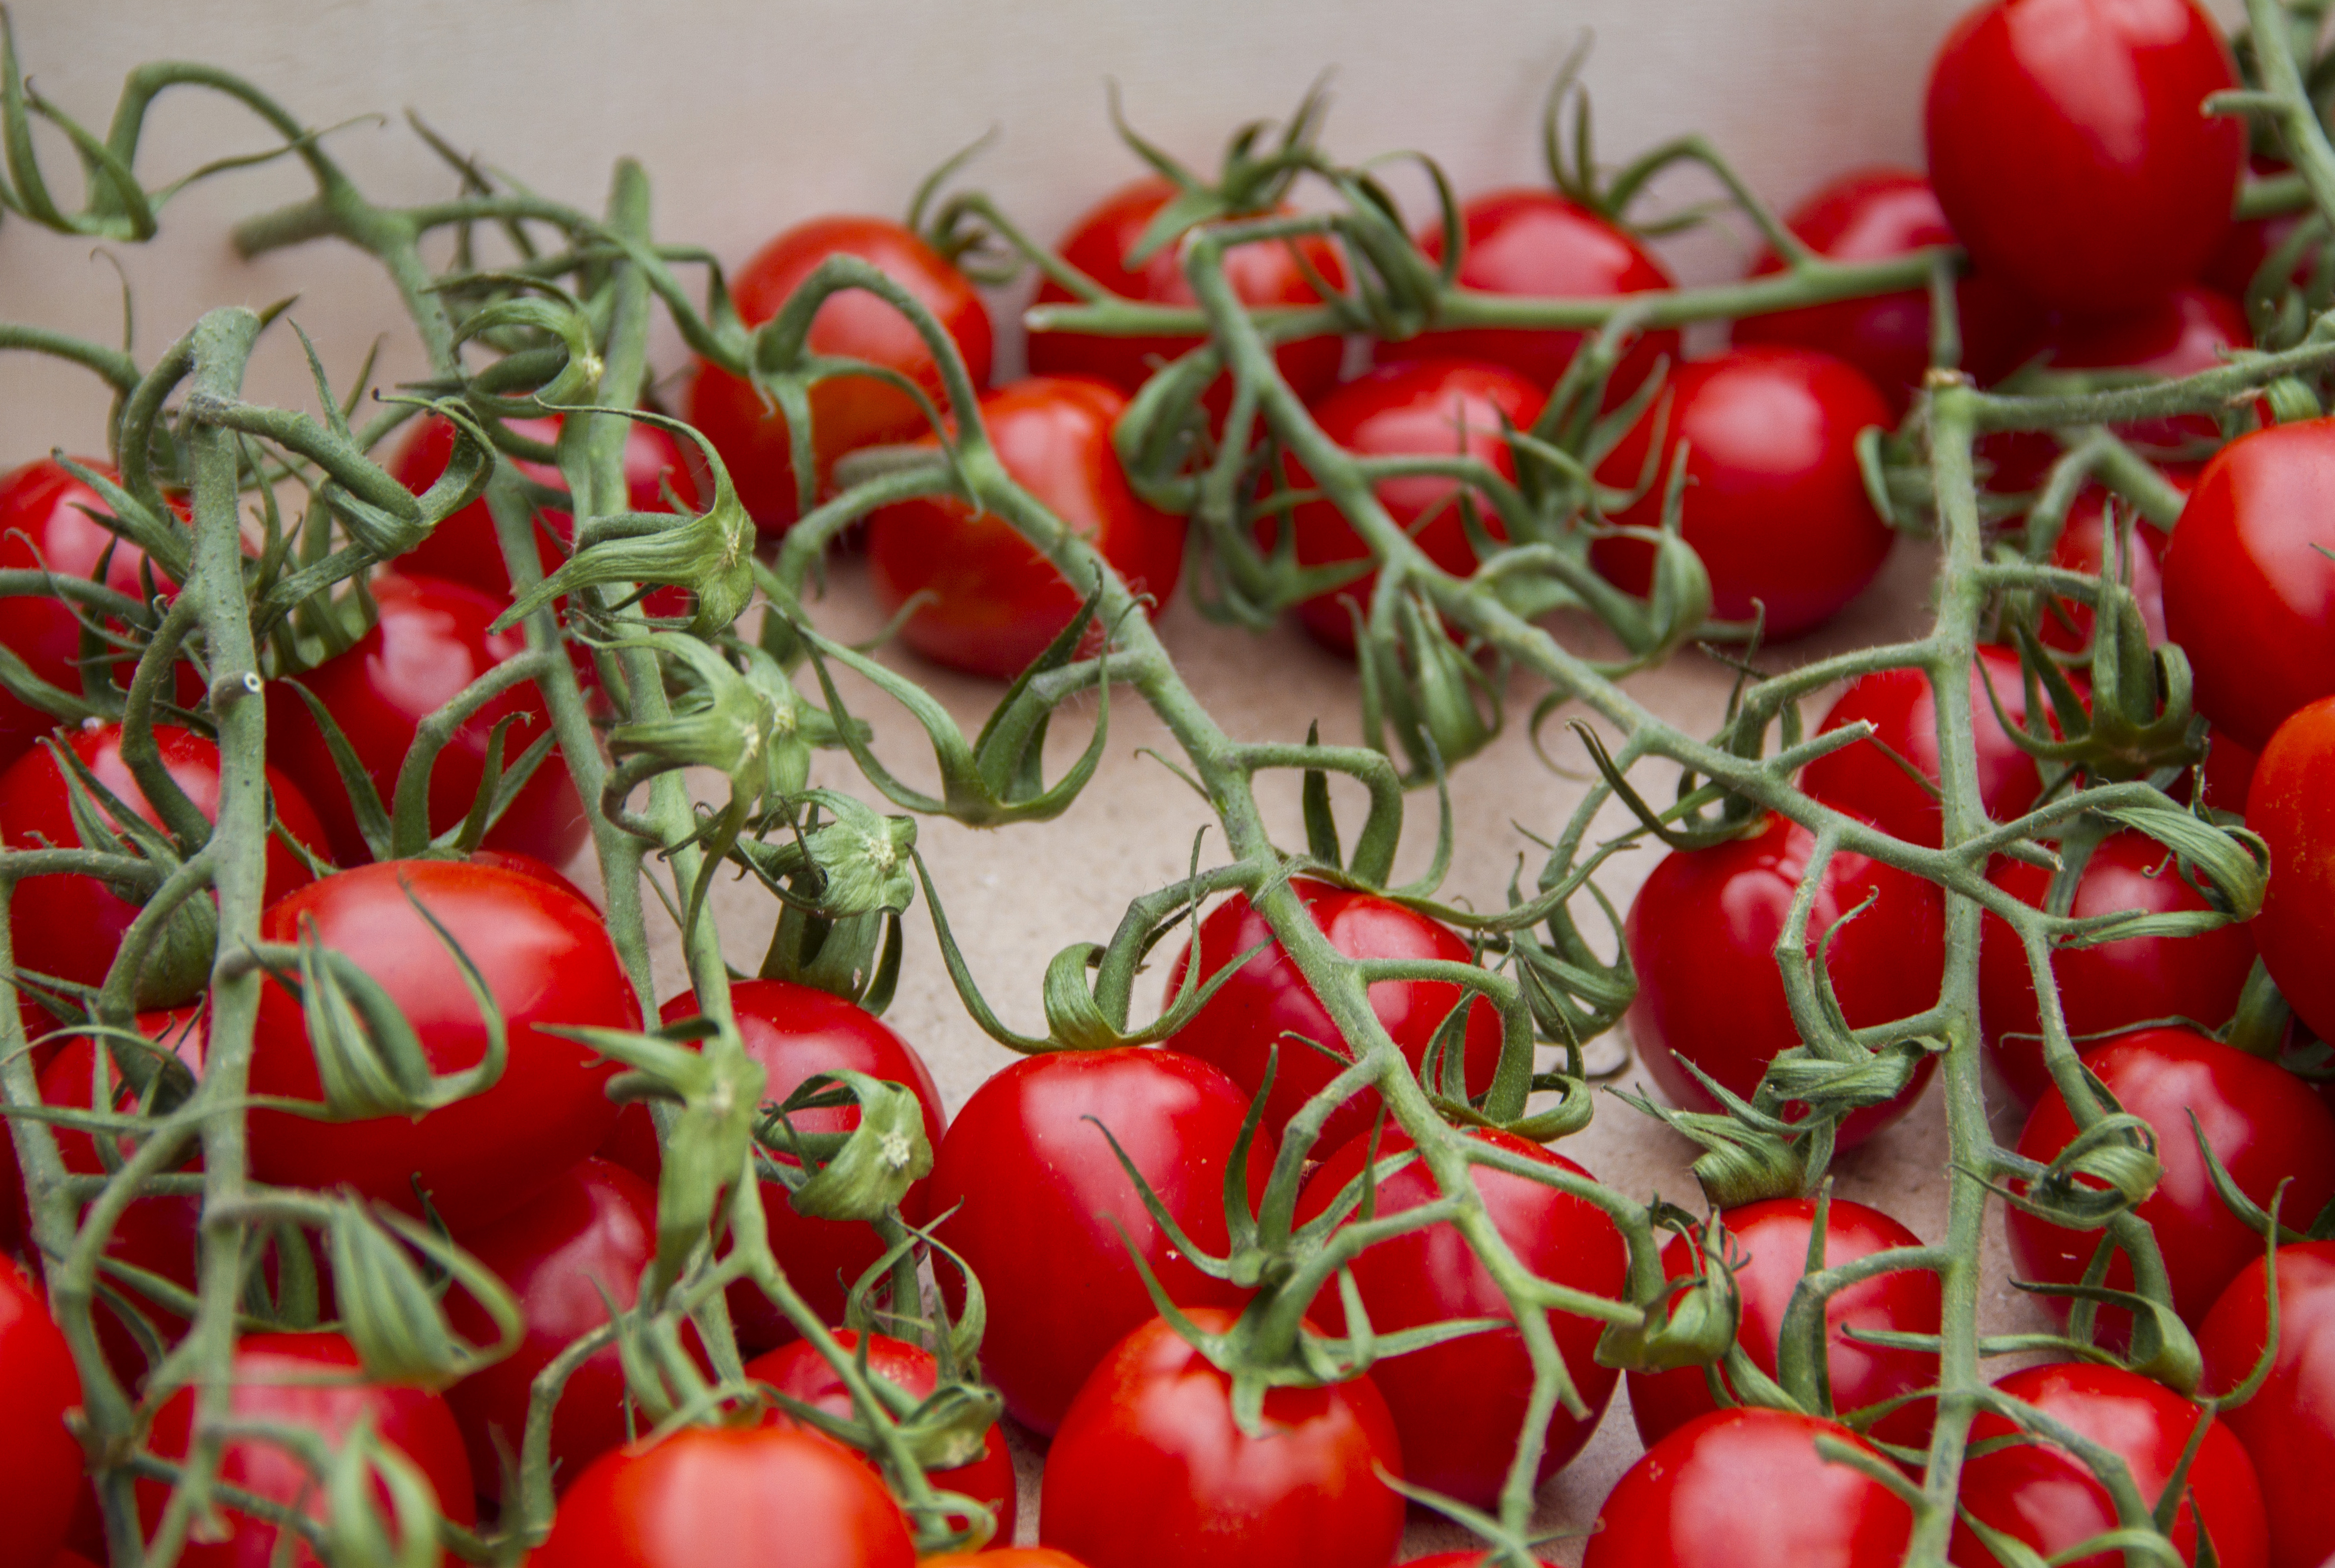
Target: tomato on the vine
(2288, 1427)
(2291, 803)
(40, 1457)
(2084, 545)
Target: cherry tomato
(2083, 545)
(545, 959)
(2229, 776)
(1255, 1013)
(1747, 1488)
(2068, 152)
(1151, 1470)
(847, 411)
(1771, 1239)
(1775, 501)
(2291, 803)
(2288, 1429)
(40, 1459)
(71, 1078)
(1702, 933)
(2040, 1494)
(995, 601)
(1042, 1205)
(1457, 1407)
(1004, 1557)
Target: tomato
(1420, 408)
(1775, 501)
(1703, 935)
(1151, 1470)
(1256, 1013)
(1041, 1204)
(70, 927)
(1004, 1557)
(2229, 776)
(1747, 1488)
(40, 1459)
(545, 959)
(316, 1382)
(800, 1373)
(69, 1077)
(1462, 1559)
(2083, 545)
(995, 601)
(2249, 247)
(2288, 1429)
(1771, 1239)
(2068, 152)
(2112, 985)
(2293, 806)
(1260, 273)
(2264, 1124)
(2038, 1493)
(1459, 1406)
(746, 1497)
(847, 411)
(432, 641)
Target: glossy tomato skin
(1775, 501)
(2069, 153)
(2040, 1493)
(997, 601)
(1459, 1406)
(746, 1497)
(1151, 1439)
(2291, 803)
(2288, 1429)
(1251, 1015)
(1746, 1488)
(2084, 544)
(1703, 935)
(1041, 1199)
(1772, 1237)
(546, 960)
(40, 1459)
(1416, 408)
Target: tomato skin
(2083, 545)
(2291, 803)
(999, 601)
(68, 1078)
(1415, 408)
(2288, 1429)
(1252, 1013)
(1037, 1190)
(1774, 1236)
(1746, 1488)
(848, 411)
(40, 1459)
(746, 1497)
(2044, 1496)
(2068, 149)
(1703, 935)
(1151, 1439)
(546, 960)
(1775, 501)
(1457, 1407)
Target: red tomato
(2288, 1429)
(1263, 273)
(1041, 1202)
(995, 601)
(2291, 803)
(2249, 246)
(2264, 1124)
(2040, 1493)
(2068, 149)
(745, 1497)
(1459, 1406)
(1420, 408)
(1461, 1560)
(1151, 1471)
(545, 959)
(40, 1459)
(1772, 1239)
(1747, 1488)
(431, 641)
(1004, 1557)
(1775, 501)
(2229, 776)
(313, 1381)
(847, 411)
(2083, 545)
(70, 1078)
(1257, 1012)
(1702, 933)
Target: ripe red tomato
(1775, 501)
(1747, 1488)
(1004, 1557)
(1151, 1471)
(1040, 1202)
(1255, 1012)
(1702, 933)
(316, 1382)
(847, 411)
(2083, 545)
(70, 1079)
(546, 960)
(2068, 149)
(40, 1459)
(1418, 408)
(1772, 1239)
(746, 1497)
(993, 601)
(431, 641)
(2040, 1493)
(2291, 803)
(2288, 1429)
(2229, 776)
(1459, 1406)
